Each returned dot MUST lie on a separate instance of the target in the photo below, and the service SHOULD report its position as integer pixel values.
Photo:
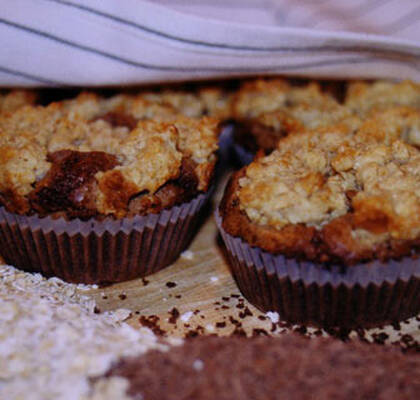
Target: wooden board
(197, 295)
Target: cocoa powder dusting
(288, 367)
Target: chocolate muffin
(267, 110)
(287, 367)
(94, 191)
(326, 229)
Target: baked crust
(15, 99)
(92, 157)
(206, 101)
(329, 200)
(392, 123)
(364, 98)
(267, 110)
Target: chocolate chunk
(69, 184)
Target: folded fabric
(108, 42)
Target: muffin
(91, 193)
(267, 110)
(326, 229)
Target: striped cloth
(125, 42)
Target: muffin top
(396, 122)
(12, 100)
(363, 97)
(206, 101)
(329, 195)
(268, 110)
(92, 156)
(273, 101)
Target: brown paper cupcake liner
(99, 251)
(364, 295)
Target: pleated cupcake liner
(96, 251)
(364, 295)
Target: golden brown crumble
(329, 194)
(267, 110)
(211, 101)
(398, 122)
(13, 100)
(148, 153)
(305, 103)
(363, 97)
(310, 185)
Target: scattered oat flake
(52, 342)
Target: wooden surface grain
(197, 295)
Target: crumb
(151, 322)
(174, 315)
(246, 313)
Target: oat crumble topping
(314, 178)
(363, 97)
(148, 153)
(279, 106)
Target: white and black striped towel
(122, 42)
